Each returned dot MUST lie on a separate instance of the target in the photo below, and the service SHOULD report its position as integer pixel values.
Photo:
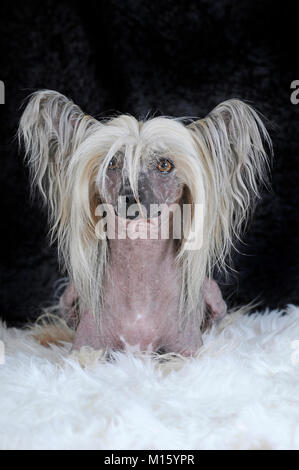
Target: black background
(164, 57)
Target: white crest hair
(220, 159)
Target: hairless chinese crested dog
(142, 212)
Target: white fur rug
(241, 392)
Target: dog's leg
(68, 306)
(214, 300)
(187, 343)
(87, 333)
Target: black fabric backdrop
(163, 57)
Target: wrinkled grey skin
(154, 186)
(142, 281)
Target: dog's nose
(130, 199)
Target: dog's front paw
(88, 357)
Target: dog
(111, 188)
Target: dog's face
(158, 184)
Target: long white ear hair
(232, 144)
(52, 128)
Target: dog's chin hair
(220, 160)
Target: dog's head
(78, 163)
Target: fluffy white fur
(240, 393)
(220, 159)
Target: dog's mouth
(132, 214)
(129, 208)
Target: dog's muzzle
(129, 208)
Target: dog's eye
(165, 166)
(113, 164)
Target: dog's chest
(141, 301)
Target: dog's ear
(232, 143)
(52, 127)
